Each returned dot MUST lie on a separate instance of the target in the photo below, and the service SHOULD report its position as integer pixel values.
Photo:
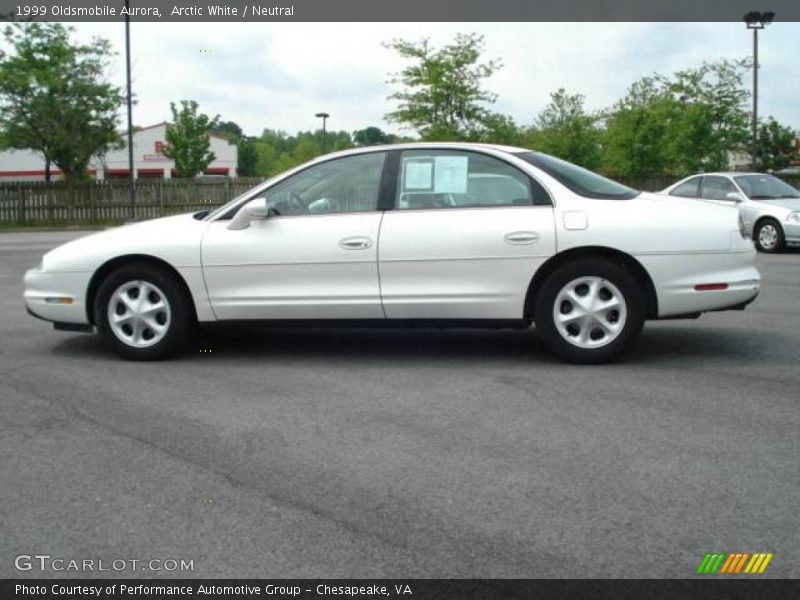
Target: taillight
(710, 287)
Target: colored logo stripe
(733, 562)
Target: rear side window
(688, 189)
(456, 179)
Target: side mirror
(255, 210)
(735, 196)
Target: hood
(788, 203)
(176, 239)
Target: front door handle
(355, 243)
(521, 237)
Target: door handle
(521, 237)
(355, 243)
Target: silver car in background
(769, 207)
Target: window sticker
(418, 174)
(451, 174)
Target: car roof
(424, 145)
(729, 173)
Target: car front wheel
(769, 236)
(589, 311)
(143, 312)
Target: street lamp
(131, 181)
(324, 116)
(755, 21)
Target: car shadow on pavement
(658, 344)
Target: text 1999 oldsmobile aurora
(436, 234)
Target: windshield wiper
(761, 197)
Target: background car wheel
(143, 312)
(769, 236)
(589, 311)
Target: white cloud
(266, 75)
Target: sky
(278, 75)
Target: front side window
(577, 179)
(453, 179)
(343, 185)
(688, 189)
(717, 188)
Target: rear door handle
(521, 237)
(355, 243)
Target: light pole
(755, 21)
(131, 182)
(324, 116)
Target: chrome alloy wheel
(590, 312)
(139, 314)
(768, 236)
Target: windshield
(581, 181)
(765, 187)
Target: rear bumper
(676, 277)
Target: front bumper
(57, 297)
(791, 232)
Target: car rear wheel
(143, 312)
(769, 236)
(589, 311)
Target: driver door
(315, 259)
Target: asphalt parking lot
(330, 453)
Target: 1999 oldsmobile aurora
(417, 234)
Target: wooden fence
(107, 202)
(36, 203)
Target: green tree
(776, 146)
(677, 125)
(715, 120)
(54, 97)
(442, 97)
(496, 128)
(563, 128)
(372, 136)
(188, 143)
(228, 129)
(247, 165)
(636, 130)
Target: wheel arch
(760, 220)
(120, 261)
(602, 252)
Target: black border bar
(421, 589)
(403, 11)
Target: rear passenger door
(466, 235)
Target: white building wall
(148, 160)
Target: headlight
(794, 217)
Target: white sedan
(436, 235)
(770, 208)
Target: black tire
(177, 327)
(608, 276)
(778, 232)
